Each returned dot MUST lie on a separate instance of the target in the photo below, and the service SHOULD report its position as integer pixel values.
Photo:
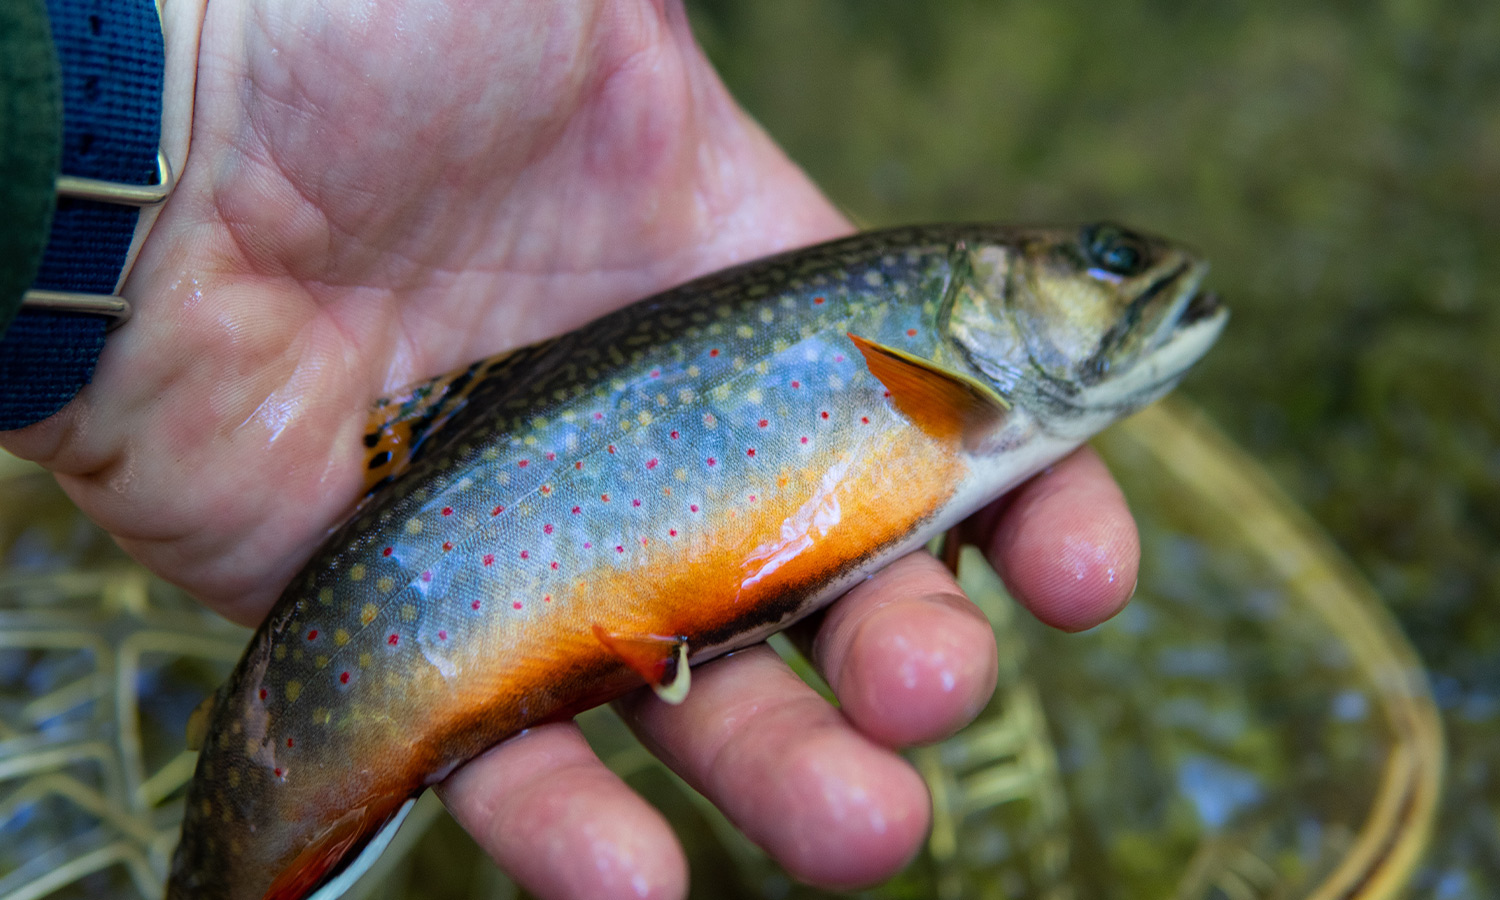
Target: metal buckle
(113, 306)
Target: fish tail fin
(343, 851)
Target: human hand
(379, 193)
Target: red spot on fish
(393, 640)
(343, 678)
(714, 352)
(547, 599)
(888, 394)
(674, 435)
(611, 448)
(645, 541)
(474, 605)
(312, 635)
(818, 301)
(656, 373)
(620, 548)
(824, 413)
(694, 507)
(588, 545)
(489, 558)
(427, 576)
(651, 463)
(712, 461)
(838, 357)
(387, 551)
(911, 332)
(750, 452)
(262, 693)
(447, 510)
(604, 497)
(578, 465)
(525, 554)
(289, 742)
(547, 529)
(547, 489)
(763, 423)
(577, 510)
(523, 463)
(598, 417)
(497, 510)
(864, 420)
(672, 532)
(635, 503)
(277, 772)
(516, 605)
(447, 545)
(752, 498)
(804, 439)
(796, 384)
(551, 457)
(442, 635)
(554, 564)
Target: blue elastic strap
(110, 54)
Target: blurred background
(1255, 726)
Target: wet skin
(545, 173)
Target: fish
(550, 528)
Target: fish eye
(1112, 249)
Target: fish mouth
(1199, 306)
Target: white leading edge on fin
(676, 691)
(366, 858)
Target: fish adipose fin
(948, 405)
(661, 661)
(336, 858)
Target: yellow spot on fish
(710, 421)
(357, 572)
(368, 614)
(644, 418)
(694, 371)
(753, 395)
(681, 474)
(767, 315)
(413, 526)
(340, 637)
(384, 584)
(530, 440)
(320, 661)
(293, 691)
(408, 612)
(538, 422)
(744, 331)
(296, 656)
(321, 716)
(874, 278)
(364, 660)
(490, 454)
(234, 778)
(280, 651)
(325, 596)
(686, 395)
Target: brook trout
(684, 477)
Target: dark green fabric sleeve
(30, 145)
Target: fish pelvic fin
(661, 661)
(341, 852)
(948, 405)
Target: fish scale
(696, 470)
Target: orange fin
(947, 405)
(661, 661)
(399, 424)
(338, 855)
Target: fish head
(1080, 325)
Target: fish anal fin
(948, 405)
(339, 848)
(661, 661)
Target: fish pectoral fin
(197, 723)
(948, 405)
(337, 854)
(661, 661)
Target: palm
(376, 195)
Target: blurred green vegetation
(1340, 164)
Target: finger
(1065, 543)
(551, 815)
(909, 657)
(832, 807)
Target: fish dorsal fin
(948, 405)
(661, 661)
(197, 723)
(398, 424)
